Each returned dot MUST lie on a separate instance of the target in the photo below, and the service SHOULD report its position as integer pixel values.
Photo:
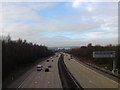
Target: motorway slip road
(86, 77)
(42, 79)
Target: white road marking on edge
(97, 73)
(28, 76)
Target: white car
(39, 67)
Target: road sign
(104, 54)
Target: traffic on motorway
(48, 75)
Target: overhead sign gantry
(106, 54)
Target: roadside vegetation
(18, 54)
(85, 54)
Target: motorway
(42, 79)
(86, 77)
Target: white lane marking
(112, 81)
(30, 74)
(48, 82)
(35, 82)
(96, 72)
(24, 81)
(90, 81)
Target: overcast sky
(61, 23)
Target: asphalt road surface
(86, 77)
(42, 79)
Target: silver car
(39, 67)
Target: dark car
(52, 60)
(47, 60)
(47, 70)
(49, 66)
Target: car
(47, 60)
(71, 57)
(52, 60)
(39, 67)
(49, 66)
(46, 69)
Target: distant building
(62, 49)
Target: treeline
(87, 52)
(20, 53)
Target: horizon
(7, 37)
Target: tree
(19, 53)
(89, 45)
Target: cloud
(94, 35)
(66, 26)
(41, 6)
(20, 30)
(76, 3)
(1, 19)
(17, 16)
(24, 11)
(89, 8)
(91, 22)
